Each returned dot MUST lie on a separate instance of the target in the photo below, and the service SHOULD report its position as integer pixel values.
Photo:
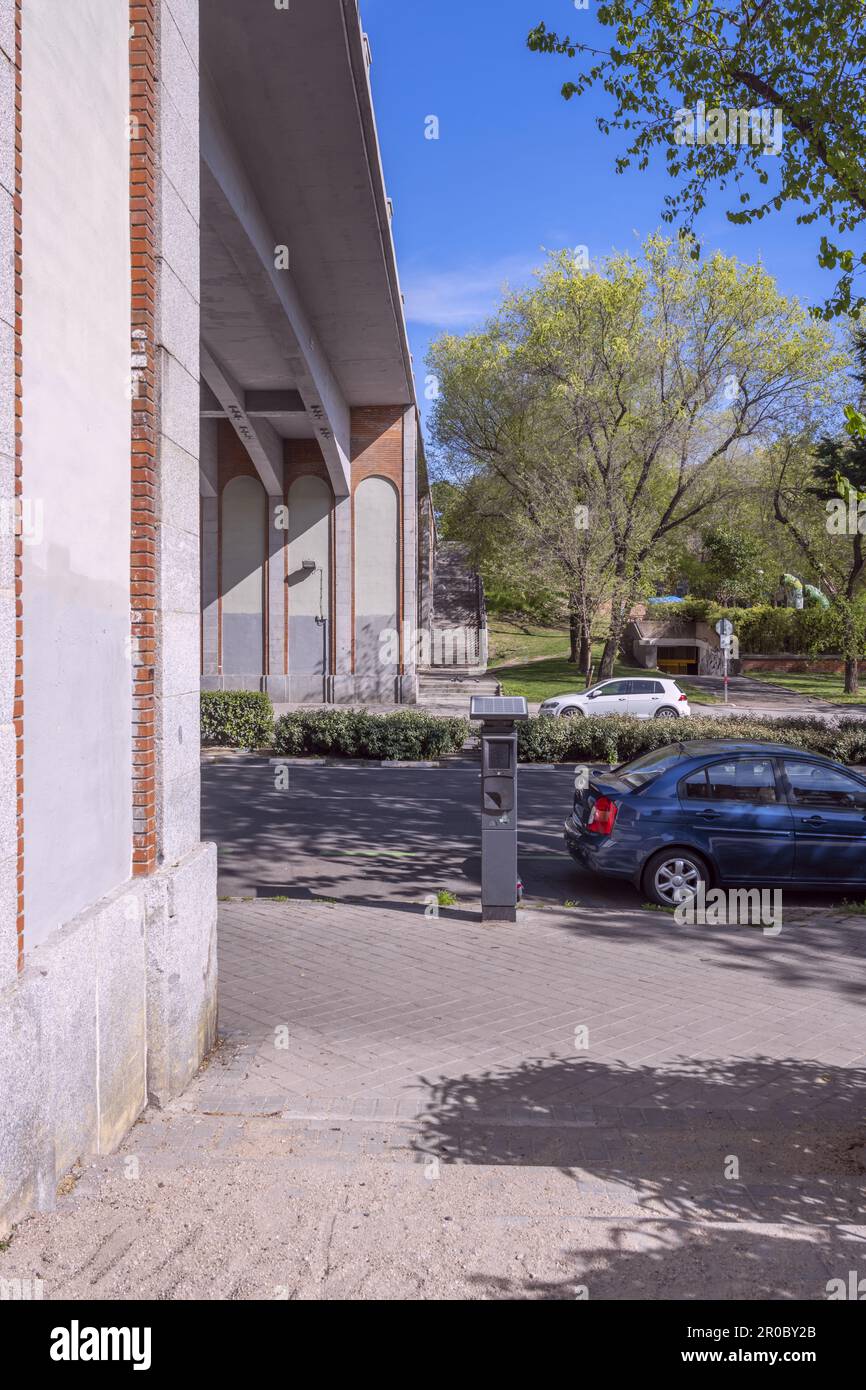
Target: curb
(215, 755)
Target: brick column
(409, 553)
(143, 17)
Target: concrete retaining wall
(116, 1009)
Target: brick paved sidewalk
(414, 1107)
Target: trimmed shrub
(236, 719)
(770, 631)
(847, 741)
(619, 738)
(406, 735)
(693, 610)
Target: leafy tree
(733, 570)
(804, 58)
(631, 392)
(848, 455)
(446, 499)
(517, 579)
(837, 559)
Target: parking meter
(498, 714)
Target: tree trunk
(619, 611)
(574, 634)
(585, 658)
(852, 675)
(588, 673)
(608, 657)
(850, 652)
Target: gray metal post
(499, 715)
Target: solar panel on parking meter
(499, 715)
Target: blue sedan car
(722, 812)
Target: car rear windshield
(645, 769)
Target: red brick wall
(804, 664)
(144, 78)
(377, 444)
(377, 450)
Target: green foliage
(846, 455)
(236, 719)
(618, 739)
(571, 414)
(693, 610)
(805, 60)
(733, 569)
(406, 735)
(810, 631)
(446, 497)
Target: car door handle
(709, 815)
(812, 820)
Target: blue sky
(516, 168)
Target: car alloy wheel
(666, 712)
(572, 712)
(677, 878)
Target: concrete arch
(244, 513)
(377, 587)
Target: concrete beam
(274, 403)
(256, 403)
(259, 438)
(246, 230)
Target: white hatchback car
(646, 699)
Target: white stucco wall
(76, 350)
(377, 579)
(8, 788)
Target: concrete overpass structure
(309, 433)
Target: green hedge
(617, 739)
(236, 719)
(406, 735)
(245, 719)
(795, 631)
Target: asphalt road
(393, 834)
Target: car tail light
(603, 816)
(683, 697)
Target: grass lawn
(820, 686)
(538, 680)
(513, 640)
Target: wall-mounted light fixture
(308, 564)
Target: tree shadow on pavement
(394, 836)
(745, 1177)
(665, 1260)
(796, 1130)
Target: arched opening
(377, 586)
(309, 580)
(242, 577)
